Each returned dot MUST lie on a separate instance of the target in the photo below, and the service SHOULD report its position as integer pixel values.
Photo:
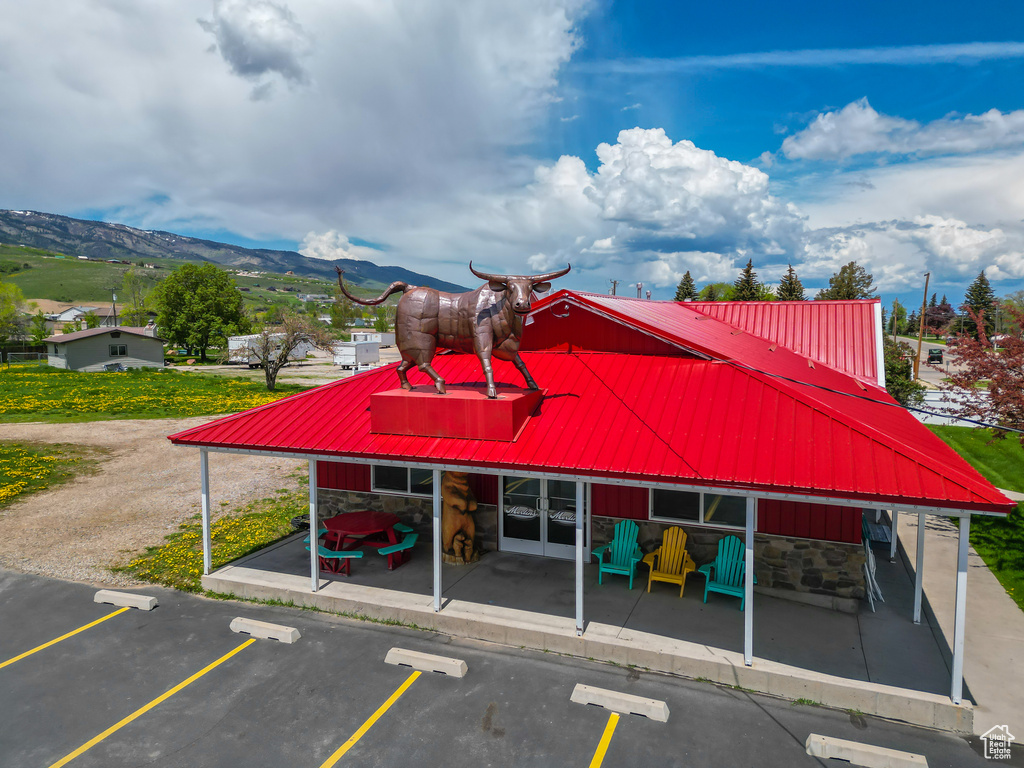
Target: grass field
(42, 393)
(179, 562)
(26, 467)
(999, 542)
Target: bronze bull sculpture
(487, 322)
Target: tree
(790, 287)
(898, 321)
(12, 309)
(343, 312)
(850, 282)
(133, 295)
(899, 373)
(92, 320)
(746, 286)
(39, 330)
(198, 306)
(686, 290)
(933, 302)
(716, 292)
(274, 346)
(939, 319)
(979, 301)
(976, 360)
(383, 317)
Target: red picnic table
(367, 528)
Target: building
(768, 421)
(96, 348)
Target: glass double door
(538, 516)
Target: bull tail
(396, 287)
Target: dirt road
(142, 490)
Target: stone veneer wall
(416, 512)
(830, 568)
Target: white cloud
(257, 37)
(333, 245)
(858, 129)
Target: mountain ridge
(106, 240)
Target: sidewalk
(994, 646)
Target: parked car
(935, 355)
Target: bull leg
(485, 363)
(521, 366)
(404, 366)
(438, 381)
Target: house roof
(679, 420)
(62, 338)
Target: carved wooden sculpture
(458, 529)
(487, 322)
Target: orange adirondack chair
(670, 562)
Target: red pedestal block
(463, 412)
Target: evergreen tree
(933, 301)
(686, 290)
(790, 287)
(913, 324)
(980, 298)
(850, 282)
(943, 300)
(716, 292)
(746, 285)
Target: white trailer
(243, 349)
(356, 354)
(384, 339)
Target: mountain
(100, 240)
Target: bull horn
(534, 278)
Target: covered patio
(874, 662)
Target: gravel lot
(142, 489)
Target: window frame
(700, 522)
(408, 482)
(115, 350)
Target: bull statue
(487, 322)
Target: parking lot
(174, 686)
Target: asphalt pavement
(175, 687)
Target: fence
(34, 358)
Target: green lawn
(999, 542)
(42, 393)
(28, 467)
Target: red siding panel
(825, 522)
(619, 501)
(342, 476)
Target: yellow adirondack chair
(670, 562)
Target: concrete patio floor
(876, 663)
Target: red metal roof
(667, 419)
(841, 334)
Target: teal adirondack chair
(726, 573)
(623, 552)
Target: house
(95, 348)
(764, 420)
(107, 316)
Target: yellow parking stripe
(139, 712)
(606, 738)
(369, 723)
(63, 637)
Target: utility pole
(615, 284)
(920, 332)
(895, 303)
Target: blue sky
(635, 140)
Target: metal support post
(959, 622)
(581, 515)
(314, 528)
(204, 482)
(748, 586)
(919, 576)
(894, 533)
(437, 540)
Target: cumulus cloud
(333, 245)
(858, 129)
(259, 37)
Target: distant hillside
(99, 240)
